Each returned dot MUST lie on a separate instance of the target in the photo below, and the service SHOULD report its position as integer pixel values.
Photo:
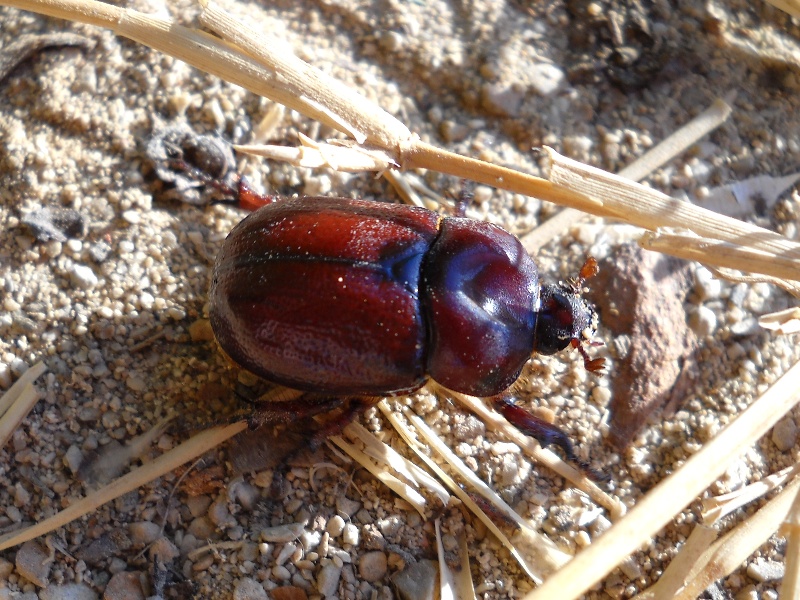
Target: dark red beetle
(358, 298)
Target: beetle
(363, 299)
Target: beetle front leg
(546, 433)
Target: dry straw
(246, 57)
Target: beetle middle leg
(338, 411)
(547, 433)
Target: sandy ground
(109, 310)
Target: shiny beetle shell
(354, 297)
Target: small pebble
(164, 551)
(124, 586)
(132, 216)
(328, 580)
(247, 495)
(703, 321)
(390, 525)
(417, 580)
(5, 376)
(82, 277)
(546, 78)
(350, 534)
(73, 458)
(289, 592)
(784, 434)
(282, 533)
(249, 589)
(502, 99)
(706, 286)
(136, 383)
(766, 570)
(202, 528)
(6, 568)
(372, 566)
(347, 507)
(69, 591)
(144, 532)
(335, 526)
(287, 551)
(198, 505)
(219, 515)
(33, 563)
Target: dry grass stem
(547, 558)
(403, 489)
(384, 453)
(789, 6)
(464, 583)
(446, 579)
(532, 448)
(18, 401)
(679, 141)
(435, 443)
(311, 91)
(673, 494)
(727, 554)
(790, 586)
(268, 69)
(762, 251)
(11, 419)
(683, 566)
(454, 583)
(659, 155)
(718, 507)
(313, 155)
(791, 286)
(189, 450)
(685, 244)
(26, 379)
(783, 322)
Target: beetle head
(565, 319)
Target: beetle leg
(465, 198)
(334, 425)
(545, 432)
(248, 199)
(287, 411)
(310, 405)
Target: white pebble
(350, 534)
(703, 321)
(706, 286)
(546, 78)
(132, 216)
(336, 526)
(766, 570)
(83, 277)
